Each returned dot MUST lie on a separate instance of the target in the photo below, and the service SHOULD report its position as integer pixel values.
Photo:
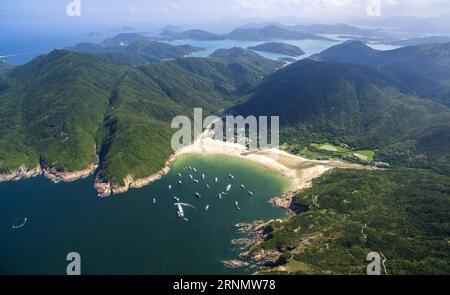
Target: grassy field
(326, 151)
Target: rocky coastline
(54, 175)
(63, 176)
(253, 256)
(106, 189)
(20, 173)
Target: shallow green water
(128, 234)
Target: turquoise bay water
(310, 47)
(128, 234)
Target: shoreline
(52, 174)
(300, 171)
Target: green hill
(134, 49)
(191, 35)
(66, 109)
(270, 32)
(280, 48)
(320, 102)
(425, 69)
(401, 213)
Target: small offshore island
(279, 48)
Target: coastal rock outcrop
(63, 176)
(106, 189)
(20, 173)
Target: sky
(29, 13)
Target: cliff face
(106, 189)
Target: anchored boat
(180, 212)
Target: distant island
(280, 48)
(269, 32)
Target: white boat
(250, 193)
(176, 199)
(154, 200)
(203, 176)
(180, 212)
(220, 196)
(237, 205)
(216, 179)
(195, 170)
(198, 195)
(179, 182)
(170, 186)
(231, 176)
(190, 168)
(228, 188)
(190, 176)
(179, 174)
(243, 186)
(195, 180)
(207, 207)
(207, 186)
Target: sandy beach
(299, 170)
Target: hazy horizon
(219, 15)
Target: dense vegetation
(66, 109)
(114, 104)
(320, 102)
(280, 48)
(425, 69)
(401, 213)
(134, 49)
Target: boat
(243, 186)
(203, 176)
(190, 176)
(20, 224)
(190, 168)
(228, 188)
(250, 193)
(154, 200)
(176, 199)
(195, 170)
(216, 179)
(231, 176)
(180, 212)
(237, 205)
(170, 186)
(207, 207)
(207, 186)
(198, 195)
(179, 174)
(195, 180)
(179, 182)
(220, 196)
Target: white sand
(300, 170)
